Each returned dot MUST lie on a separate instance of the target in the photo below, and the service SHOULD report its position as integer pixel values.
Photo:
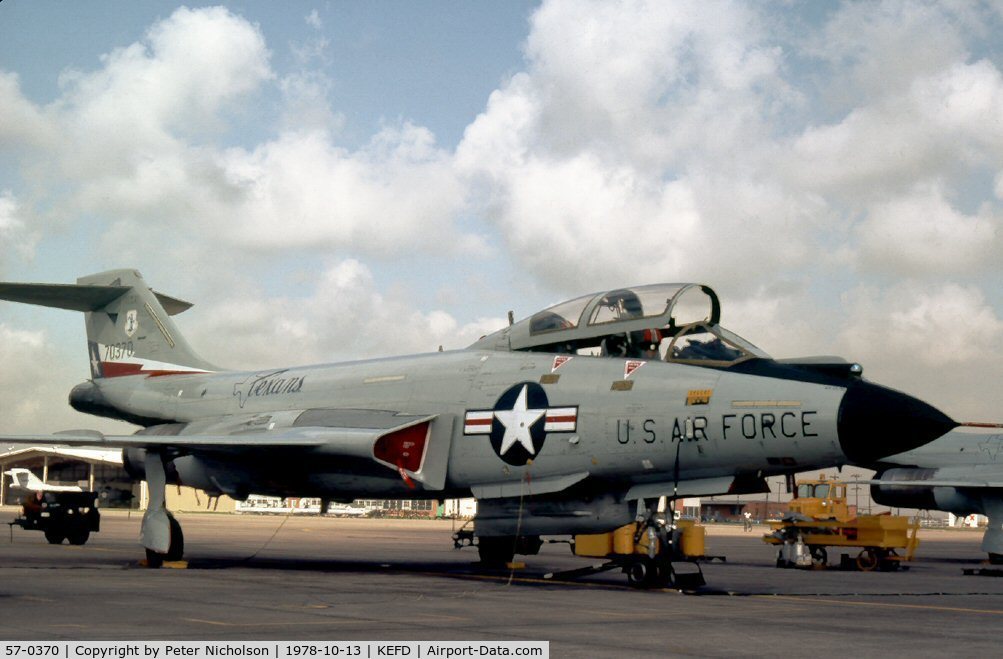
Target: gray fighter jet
(577, 419)
(961, 473)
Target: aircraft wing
(287, 437)
(413, 445)
(299, 437)
(975, 481)
(966, 476)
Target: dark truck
(61, 516)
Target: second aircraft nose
(875, 422)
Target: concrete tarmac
(312, 578)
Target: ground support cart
(651, 556)
(806, 543)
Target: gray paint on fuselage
(618, 432)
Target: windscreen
(560, 316)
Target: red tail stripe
(122, 369)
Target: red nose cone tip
(876, 422)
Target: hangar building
(97, 470)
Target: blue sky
(431, 62)
(337, 180)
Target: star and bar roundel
(519, 423)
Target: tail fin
(21, 479)
(129, 329)
(24, 479)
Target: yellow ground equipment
(649, 556)
(821, 499)
(822, 519)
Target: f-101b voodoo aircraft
(577, 419)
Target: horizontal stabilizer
(80, 297)
(75, 297)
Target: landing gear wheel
(54, 536)
(665, 576)
(819, 557)
(642, 572)
(886, 562)
(867, 559)
(528, 545)
(154, 559)
(78, 537)
(177, 549)
(496, 550)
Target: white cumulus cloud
(34, 382)
(17, 239)
(396, 193)
(939, 342)
(947, 324)
(346, 316)
(920, 233)
(133, 141)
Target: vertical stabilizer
(129, 326)
(134, 334)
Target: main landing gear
(176, 549)
(498, 551)
(161, 534)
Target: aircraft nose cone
(875, 422)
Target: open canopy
(628, 321)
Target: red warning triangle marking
(630, 366)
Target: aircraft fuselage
(619, 427)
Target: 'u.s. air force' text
(759, 425)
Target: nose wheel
(645, 572)
(659, 564)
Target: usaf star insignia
(519, 423)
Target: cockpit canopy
(677, 322)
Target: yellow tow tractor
(820, 518)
